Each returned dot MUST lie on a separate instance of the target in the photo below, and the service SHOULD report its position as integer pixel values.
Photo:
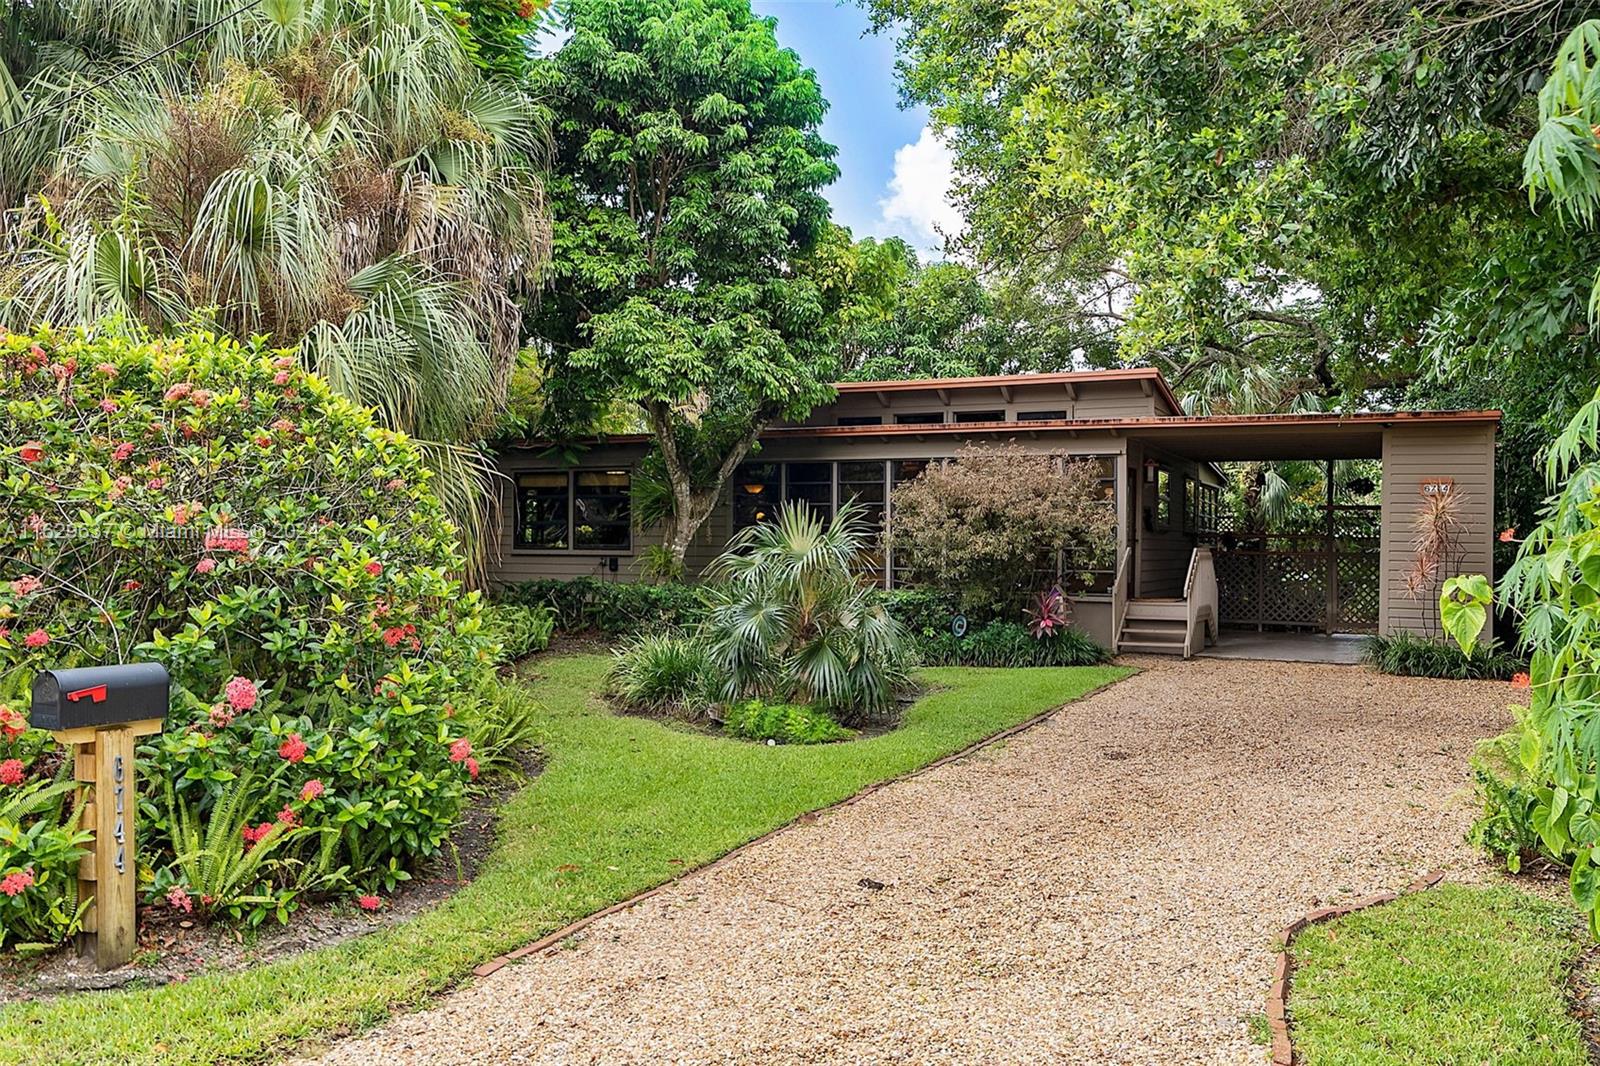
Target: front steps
(1154, 627)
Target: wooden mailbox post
(97, 713)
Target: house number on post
(96, 713)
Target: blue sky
(893, 173)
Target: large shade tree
(338, 175)
(688, 195)
(1311, 204)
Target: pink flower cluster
(12, 724)
(312, 790)
(461, 752)
(26, 585)
(179, 900)
(227, 539)
(14, 884)
(12, 772)
(37, 639)
(293, 748)
(368, 903)
(241, 693)
(253, 835)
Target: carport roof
(1205, 438)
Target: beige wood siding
(1411, 455)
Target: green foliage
(1456, 974)
(791, 620)
(993, 524)
(1508, 789)
(519, 630)
(41, 843)
(213, 507)
(610, 608)
(501, 722)
(1554, 586)
(689, 176)
(1411, 655)
(229, 861)
(337, 176)
(663, 671)
(1463, 609)
(1009, 644)
(782, 723)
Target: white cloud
(919, 207)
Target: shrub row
(211, 506)
(611, 608)
(926, 615)
(1410, 655)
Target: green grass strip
(1453, 975)
(620, 798)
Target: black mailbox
(99, 695)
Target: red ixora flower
(31, 452)
(460, 749)
(205, 566)
(179, 900)
(241, 693)
(233, 540)
(26, 585)
(109, 406)
(368, 903)
(393, 635)
(472, 767)
(37, 639)
(254, 835)
(1508, 535)
(312, 790)
(293, 748)
(108, 369)
(11, 772)
(1521, 680)
(287, 818)
(132, 586)
(221, 715)
(281, 378)
(14, 884)
(178, 392)
(122, 452)
(374, 568)
(12, 724)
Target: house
(1178, 572)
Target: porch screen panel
(900, 472)
(866, 483)
(1085, 571)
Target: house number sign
(1438, 486)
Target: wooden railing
(1119, 596)
(1200, 599)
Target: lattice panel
(1294, 590)
(1236, 587)
(1358, 591)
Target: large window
(920, 418)
(543, 509)
(864, 483)
(584, 510)
(810, 483)
(600, 511)
(980, 416)
(755, 494)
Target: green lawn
(620, 799)
(1451, 975)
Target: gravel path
(1103, 888)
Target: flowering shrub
(211, 506)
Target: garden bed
(174, 946)
(622, 804)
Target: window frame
(517, 547)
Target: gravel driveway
(1103, 888)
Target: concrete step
(1143, 647)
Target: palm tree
(793, 618)
(335, 174)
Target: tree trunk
(692, 504)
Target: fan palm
(335, 174)
(792, 617)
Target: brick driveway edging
(1278, 994)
